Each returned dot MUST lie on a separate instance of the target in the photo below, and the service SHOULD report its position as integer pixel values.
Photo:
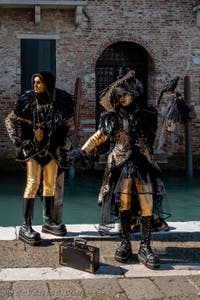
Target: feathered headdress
(106, 98)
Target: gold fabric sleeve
(94, 141)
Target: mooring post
(188, 129)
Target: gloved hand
(79, 159)
(27, 148)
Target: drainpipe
(188, 130)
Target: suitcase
(79, 255)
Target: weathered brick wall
(165, 28)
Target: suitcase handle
(80, 242)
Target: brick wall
(165, 28)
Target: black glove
(25, 149)
(79, 159)
(18, 147)
(28, 148)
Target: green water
(80, 200)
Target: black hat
(48, 79)
(127, 83)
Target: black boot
(145, 254)
(26, 232)
(124, 252)
(49, 225)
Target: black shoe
(52, 228)
(159, 224)
(26, 232)
(124, 252)
(147, 257)
(29, 236)
(49, 225)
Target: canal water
(80, 199)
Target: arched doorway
(121, 53)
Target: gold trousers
(144, 191)
(34, 172)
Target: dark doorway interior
(36, 55)
(121, 53)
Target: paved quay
(35, 273)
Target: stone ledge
(45, 3)
(129, 271)
(90, 231)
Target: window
(36, 55)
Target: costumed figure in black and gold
(41, 127)
(131, 179)
(173, 115)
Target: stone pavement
(35, 273)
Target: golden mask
(38, 85)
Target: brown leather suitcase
(79, 255)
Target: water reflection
(183, 194)
(80, 200)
